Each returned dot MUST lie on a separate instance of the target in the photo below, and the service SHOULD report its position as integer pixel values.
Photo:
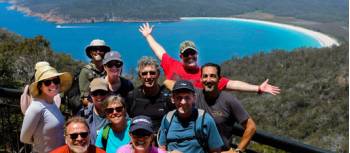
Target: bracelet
(259, 91)
(238, 150)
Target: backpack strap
(105, 133)
(169, 118)
(199, 130)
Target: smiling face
(50, 87)
(210, 78)
(113, 69)
(189, 59)
(115, 112)
(77, 137)
(184, 100)
(149, 76)
(97, 53)
(141, 140)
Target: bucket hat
(96, 43)
(45, 72)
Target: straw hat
(96, 43)
(45, 72)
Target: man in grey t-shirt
(224, 108)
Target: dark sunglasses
(56, 81)
(111, 110)
(116, 64)
(99, 93)
(189, 52)
(148, 72)
(141, 134)
(99, 48)
(75, 135)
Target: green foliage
(313, 105)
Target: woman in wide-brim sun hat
(43, 122)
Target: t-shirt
(43, 126)
(181, 135)
(115, 140)
(226, 111)
(174, 70)
(154, 107)
(128, 149)
(65, 149)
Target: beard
(77, 148)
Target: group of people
(190, 112)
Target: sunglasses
(116, 64)
(98, 48)
(74, 136)
(189, 52)
(111, 110)
(99, 93)
(141, 134)
(56, 81)
(148, 72)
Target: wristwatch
(238, 150)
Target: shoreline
(323, 39)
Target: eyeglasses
(56, 81)
(75, 135)
(111, 110)
(99, 93)
(189, 52)
(148, 72)
(116, 64)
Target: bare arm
(146, 31)
(169, 84)
(249, 131)
(265, 87)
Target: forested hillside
(117, 10)
(313, 105)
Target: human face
(189, 59)
(50, 87)
(113, 69)
(118, 114)
(141, 140)
(149, 76)
(210, 78)
(97, 53)
(184, 102)
(77, 137)
(97, 97)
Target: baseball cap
(112, 56)
(183, 85)
(187, 45)
(98, 84)
(141, 122)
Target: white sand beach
(323, 39)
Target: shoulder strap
(105, 133)
(199, 130)
(169, 118)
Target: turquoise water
(217, 40)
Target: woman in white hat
(43, 122)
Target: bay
(217, 39)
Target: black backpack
(198, 129)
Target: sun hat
(183, 85)
(112, 56)
(141, 122)
(46, 72)
(98, 84)
(96, 43)
(187, 45)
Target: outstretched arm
(249, 130)
(265, 87)
(146, 31)
(169, 84)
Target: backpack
(198, 130)
(72, 96)
(105, 133)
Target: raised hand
(265, 87)
(145, 29)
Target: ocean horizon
(217, 40)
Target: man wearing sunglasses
(189, 69)
(76, 132)
(113, 65)
(96, 52)
(94, 113)
(150, 98)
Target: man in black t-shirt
(224, 108)
(150, 98)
